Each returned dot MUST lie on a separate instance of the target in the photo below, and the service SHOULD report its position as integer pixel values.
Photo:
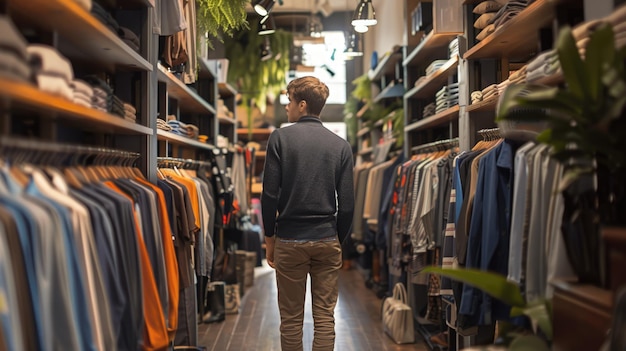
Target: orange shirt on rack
(155, 332)
(171, 264)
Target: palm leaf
(495, 285)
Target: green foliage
(257, 80)
(583, 116)
(215, 17)
(350, 108)
(497, 286)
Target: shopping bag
(397, 316)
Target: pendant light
(263, 7)
(267, 25)
(364, 15)
(353, 48)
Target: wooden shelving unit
(181, 140)
(29, 97)
(429, 86)
(189, 100)
(89, 38)
(436, 120)
(430, 43)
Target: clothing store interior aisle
(358, 324)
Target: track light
(364, 15)
(266, 25)
(266, 50)
(263, 7)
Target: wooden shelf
(31, 98)
(518, 36)
(438, 119)
(189, 100)
(257, 133)
(428, 46)
(181, 140)
(89, 39)
(226, 90)
(227, 120)
(433, 82)
(484, 105)
(387, 66)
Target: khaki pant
(294, 262)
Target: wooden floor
(256, 327)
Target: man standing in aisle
(307, 205)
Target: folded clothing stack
(130, 113)
(83, 93)
(485, 11)
(545, 64)
(105, 17)
(14, 55)
(86, 4)
(476, 96)
(447, 97)
(434, 66)
(129, 37)
(53, 72)
(103, 94)
(179, 128)
(508, 11)
(117, 106)
(161, 124)
(429, 110)
(453, 47)
(519, 76)
(490, 91)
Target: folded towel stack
(476, 96)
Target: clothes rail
(490, 134)
(168, 162)
(42, 152)
(436, 145)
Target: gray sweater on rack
(308, 190)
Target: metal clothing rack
(51, 153)
(490, 134)
(185, 163)
(438, 145)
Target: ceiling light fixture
(263, 7)
(364, 15)
(267, 25)
(361, 29)
(353, 48)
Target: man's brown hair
(311, 90)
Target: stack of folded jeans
(83, 93)
(53, 72)
(447, 97)
(13, 52)
(179, 128)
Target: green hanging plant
(258, 80)
(216, 17)
(350, 108)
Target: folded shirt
(86, 4)
(55, 85)
(161, 124)
(130, 108)
(11, 39)
(82, 87)
(47, 60)
(14, 67)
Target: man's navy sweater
(308, 190)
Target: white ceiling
(314, 6)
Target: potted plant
(585, 126)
